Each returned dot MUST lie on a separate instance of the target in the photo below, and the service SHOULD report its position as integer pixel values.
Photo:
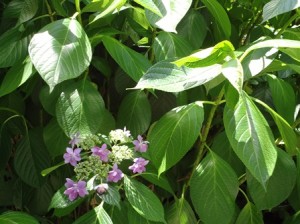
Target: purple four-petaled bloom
(102, 152)
(139, 165)
(140, 145)
(74, 189)
(75, 140)
(115, 174)
(72, 156)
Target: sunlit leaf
(172, 12)
(60, 51)
(150, 5)
(180, 212)
(276, 7)
(12, 217)
(214, 187)
(251, 138)
(233, 71)
(166, 76)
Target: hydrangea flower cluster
(100, 157)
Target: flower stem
(203, 139)
(77, 5)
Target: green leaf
(31, 158)
(277, 7)
(96, 216)
(133, 63)
(180, 212)
(213, 189)
(135, 113)
(208, 56)
(168, 45)
(135, 218)
(174, 135)
(281, 91)
(166, 76)
(250, 215)
(60, 51)
(150, 5)
(103, 8)
(251, 138)
(45, 172)
(193, 28)
(80, 108)
(220, 15)
(275, 43)
(233, 71)
(280, 184)
(102, 65)
(111, 196)
(13, 217)
(144, 201)
(16, 76)
(172, 12)
(55, 139)
(13, 46)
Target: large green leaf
(193, 28)
(168, 45)
(16, 76)
(166, 76)
(172, 12)
(80, 108)
(95, 216)
(251, 138)
(287, 133)
(24, 10)
(31, 158)
(13, 46)
(180, 212)
(143, 200)
(281, 91)
(214, 187)
(135, 113)
(250, 215)
(14, 217)
(55, 139)
(174, 135)
(132, 62)
(233, 71)
(277, 7)
(135, 218)
(280, 184)
(220, 15)
(60, 51)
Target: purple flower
(139, 165)
(102, 188)
(115, 174)
(71, 156)
(140, 145)
(75, 140)
(74, 189)
(101, 152)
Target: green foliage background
(213, 85)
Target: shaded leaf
(60, 51)
(144, 201)
(13, 217)
(180, 212)
(250, 215)
(168, 45)
(80, 108)
(132, 62)
(111, 196)
(135, 113)
(166, 76)
(251, 138)
(172, 12)
(16, 76)
(174, 135)
(213, 189)
(280, 184)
